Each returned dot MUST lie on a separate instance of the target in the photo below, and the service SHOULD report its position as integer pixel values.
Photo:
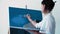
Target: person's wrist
(28, 17)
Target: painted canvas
(20, 23)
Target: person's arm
(33, 22)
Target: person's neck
(45, 12)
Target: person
(47, 25)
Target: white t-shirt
(47, 25)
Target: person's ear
(42, 7)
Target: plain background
(31, 4)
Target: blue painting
(17, 19)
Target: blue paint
(16, 16)
(17, 19)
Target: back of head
(49, 4)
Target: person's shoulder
(50, 17)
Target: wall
(4, 17)
(31, 4)
(56, 13)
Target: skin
(44, 11)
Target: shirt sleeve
(44, 26)
(39, 25)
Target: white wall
(3, 17)
(56, 13)
(31, 4)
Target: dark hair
(49, 4)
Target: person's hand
(27, 16)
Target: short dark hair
(49, 4)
